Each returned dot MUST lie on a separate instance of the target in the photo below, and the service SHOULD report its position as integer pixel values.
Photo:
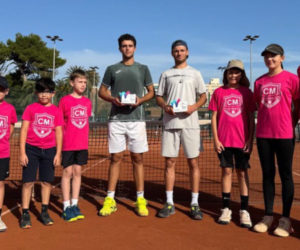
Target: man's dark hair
(44, 84)
(77, 73)
(126, 37)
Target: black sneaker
(196, 213)
(46, 219)
(166, 211)
(25, 221)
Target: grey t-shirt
(185, 84)
(133, 78)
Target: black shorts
(41, 159)
(241, 159)
(4, 168)
(76, 157)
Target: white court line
(19, 205)
(295, 173)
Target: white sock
(66, 204)
(140, 194)
(169, 195)
(194, 198)
(111, 194)
(74, 202)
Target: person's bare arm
(11, 129)
(200, 102)
(105, 94)
(59, 139)
(249, 142)
(23, 136)
(214, 126)
(146, 97)
(167, 108)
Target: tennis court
(126, 230)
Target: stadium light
(222, 68)
(251, 39)
(54, 39)
(94, 68)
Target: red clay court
(124, 229)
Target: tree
(62, 88)
(4, 58)
(30, 56)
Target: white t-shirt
(183, 84)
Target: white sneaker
(3, 227)
(245, 220)
(284, 227)
(225, 217)
(264, 224)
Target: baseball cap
(3, 82)
(235, 64)
(179, 43)
(298, 71)
(273, 48)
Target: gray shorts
(189, 139)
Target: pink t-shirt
(8, 116)
(274, 95)
(43, 121)
(76, 112)
(233, 107)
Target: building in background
(213, 84)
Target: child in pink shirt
(275, 93)
(40, 147)
(233, 126)
(76, 110)
(8, 118)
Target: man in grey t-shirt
(127, 121)
(184, 84)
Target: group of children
(276, 98)
(47, 139)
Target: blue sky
(214, 30)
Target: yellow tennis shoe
(141, 207)
(109, 207)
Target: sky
(214, 31)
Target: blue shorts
(39, 159)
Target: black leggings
(283, 149)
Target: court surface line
(295, 173)
(58, 184)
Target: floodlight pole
(94, 68)
(53, 39)
(251, 39)
(222, 68)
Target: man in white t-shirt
(180, 93)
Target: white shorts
(134, 132)
(188, 138)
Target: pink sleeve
(213, 103)
(295, 88)
(256, 93)
(14, 118)
(27, 114)
(59, 120)
(61, 105)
